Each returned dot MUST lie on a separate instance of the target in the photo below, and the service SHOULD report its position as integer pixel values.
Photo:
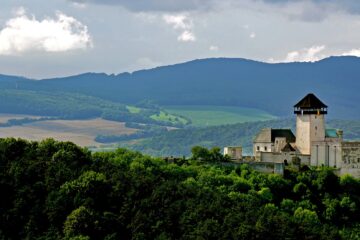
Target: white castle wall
(309, 128)
(262, 147)
(326, 153)
(233, 152)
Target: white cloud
(311, 54)
(27, 34)
(181, 22)
(19, 11)
(252, 35)
(214, 48)
(352, 52)
(314, 53)
(187, 36)
(79, 5)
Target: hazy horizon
(166, 65)
(66, 37)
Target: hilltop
(220, 81)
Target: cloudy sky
(43, 39)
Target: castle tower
(310, 122)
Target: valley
(216, 102)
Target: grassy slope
(171, 118)
(219, 115)
(133, 109)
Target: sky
(43, 39)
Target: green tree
(79, 224)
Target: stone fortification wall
(281, 157)
(350, 152)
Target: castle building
(234, 152)
(273, 140)
(313, 145)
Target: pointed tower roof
(310, 101)
(288, 148)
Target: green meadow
(133, 109)
(166, 117)
(202, 115)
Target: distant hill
(273, 88)
(68, 105)
(179, 142)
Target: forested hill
(270, 87)
(179, 142)
(56, 190)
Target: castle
(313, 144)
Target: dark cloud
(317, 10)
(156, 5)
(351, 6)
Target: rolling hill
(179, 142)
(69, 105)
(273, 88)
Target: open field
(133, 109)
(81, 132)
(219, 115)
(165, 117)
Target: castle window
(258, 148)
(358, 160)
(265, 148)
(315, 127)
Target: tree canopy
(57, 190)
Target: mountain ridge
(273, 87)
(177, 64)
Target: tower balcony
(302, 111)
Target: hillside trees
(67, 105)
(56, 190)
(180, 141)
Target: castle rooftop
(268, 135)
(310, 104)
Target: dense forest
(56, 190)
